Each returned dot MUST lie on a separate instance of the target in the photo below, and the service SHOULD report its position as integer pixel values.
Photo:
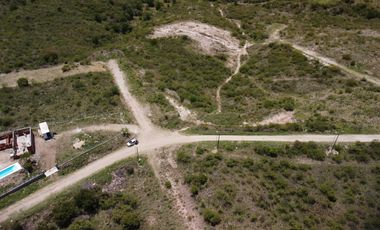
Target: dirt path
(311, 54)
(330, 62)
(165, 169)
(48, 74)
(243, 51)
(240, 53)
(185, 114)
(151, 139)
(139, 112)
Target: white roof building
(44, 128)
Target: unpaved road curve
(147, 145)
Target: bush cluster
(309, 149)
(90, 202)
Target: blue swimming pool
(10, 170)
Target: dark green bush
(183, 157)
(88, 200)
(211, 216)
(131, 221)
(64, 212)
(82, 225)
(22, 82)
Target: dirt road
(149, 144)
(139, 112)
(151, 138)
(48, 74)
(330, 62)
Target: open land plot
(169, 64)
(267, 186)
(346, 31)
(123, 196)
(277, 78)
(93, 96)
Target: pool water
(10, 170)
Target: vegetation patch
(276, 78)
(40, 33)
(134, 202)
(91, 96)
(249, 189)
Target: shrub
(168, 185)
(200, 150)
(130, 221)
(81, 225)
(317, 123)
(64, 212)
(183, 157)
(22, 82)
(328, 191)
(271, 151)
(211, 217)
(88, 200)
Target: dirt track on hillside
(48, 74)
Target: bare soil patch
(165, 168)
(48, 74)
(279, 118)
(211, 40)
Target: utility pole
(217, 143)
(331, 149)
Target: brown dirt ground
(48, 74)
(165, 169)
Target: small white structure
(44, 131)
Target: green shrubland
(40, 33)
(93, 96)
(256, 186)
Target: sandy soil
(48, 74)
(185, 114)
(280, 118)
(370, 33)
(165, 169)
(210, 39)
(46, 152)
(5, 160)
(139, 112)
